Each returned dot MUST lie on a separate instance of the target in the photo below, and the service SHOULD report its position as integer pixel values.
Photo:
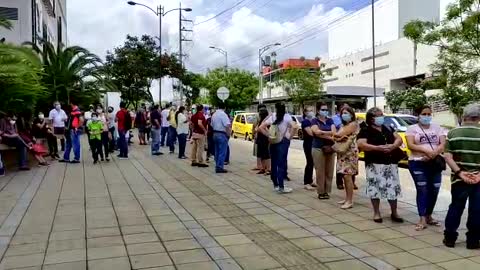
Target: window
(376, 69)
(251, 118)
(243, 119)
(237, 119)
(378, 55)
(9, 13)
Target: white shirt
(58, 118)
(165, 122)
(182, 127)
(283, 126)
(220, 121)
(87, 115)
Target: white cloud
(102, 25)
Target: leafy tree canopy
(243, 86)
(405, 99)
(133, 66)
(302, 84)
(458, 40)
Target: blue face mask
(310, 115)
(379, 121)
(346, 117)
(323, 113)
(425, 120)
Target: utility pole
(373, 56)
(181, 39)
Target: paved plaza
(159, 213)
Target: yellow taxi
(242, 125)
(395, 122)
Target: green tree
(20, 79)
(4, 23)
(66, 72)
(302, 84)
(133, 67)
(458, 40)
(243, 86)
(192, 83)
(407, 99)
(394, 99)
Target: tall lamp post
(261, 51)
(225, 53)
(160, 13)
(373, 57)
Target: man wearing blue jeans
(165, 124)
(72, 136)
(221, 132)
(155, 119)
(122, 118)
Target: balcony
(50, 7)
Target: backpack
(128, 121)
(274, 134)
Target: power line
(222, 12)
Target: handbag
(343, 146)
(439, 161)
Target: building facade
(35, 20)
(399, 64)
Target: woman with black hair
(347, 161)
(280, 133)
(263, 152)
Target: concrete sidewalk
(160, 213)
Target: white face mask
(99, 110)
(58, 107)
(41, 116)
(95, 118)
(12, 122)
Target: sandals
(346, 206)
(434, 223)
(420, 227)
(261, 172)
(378, 220)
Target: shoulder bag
(438, 161)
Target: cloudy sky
(299, 25)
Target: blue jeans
(122, 143)
(220, 140)
(279, 154)
(164, 133)
(182, 143)
(427, 181)
(460, 193)
(172, 138)
(155, 146)
(72, 141)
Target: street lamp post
(260, 75)
(225, 53)
(160, 13)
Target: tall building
(35, 20)
(399, 64)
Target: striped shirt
(464, 145)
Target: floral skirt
(383, 181)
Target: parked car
(395, 122)
(409, 119)
(243, 125)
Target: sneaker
(102, 160)
(323, 197)
(172, 152)
(95, 161)
(25, 168)
(449, 242)
(182, 157)
(123, 158)
(194, 164)
(309, 187)
(157, 154)
(64, 161)
(276, 189)
(75, 161)
(327, 196)
(107, 159)
(2, 172)
(221, 171)
(473, 244)
(201, 165)
(285, 190)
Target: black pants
(96, 146)
(308, 174)
(105, 143)
(461, 192)
(52, 144)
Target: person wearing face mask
(41, 131)
(141, 125)
(58, 117)
(95, 126)
(105, 133)
(381, 145)
(111, 129)
(11, 137)
(308, 117)
(347, 162)
(322, 152)
(426, 140)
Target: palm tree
(68, 70)
(4, 23)
(20, 79)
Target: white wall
(22, 29)
(354, 33)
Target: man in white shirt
(57, 116)
(165, 124)
(221, 126)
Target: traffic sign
(223, 93)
